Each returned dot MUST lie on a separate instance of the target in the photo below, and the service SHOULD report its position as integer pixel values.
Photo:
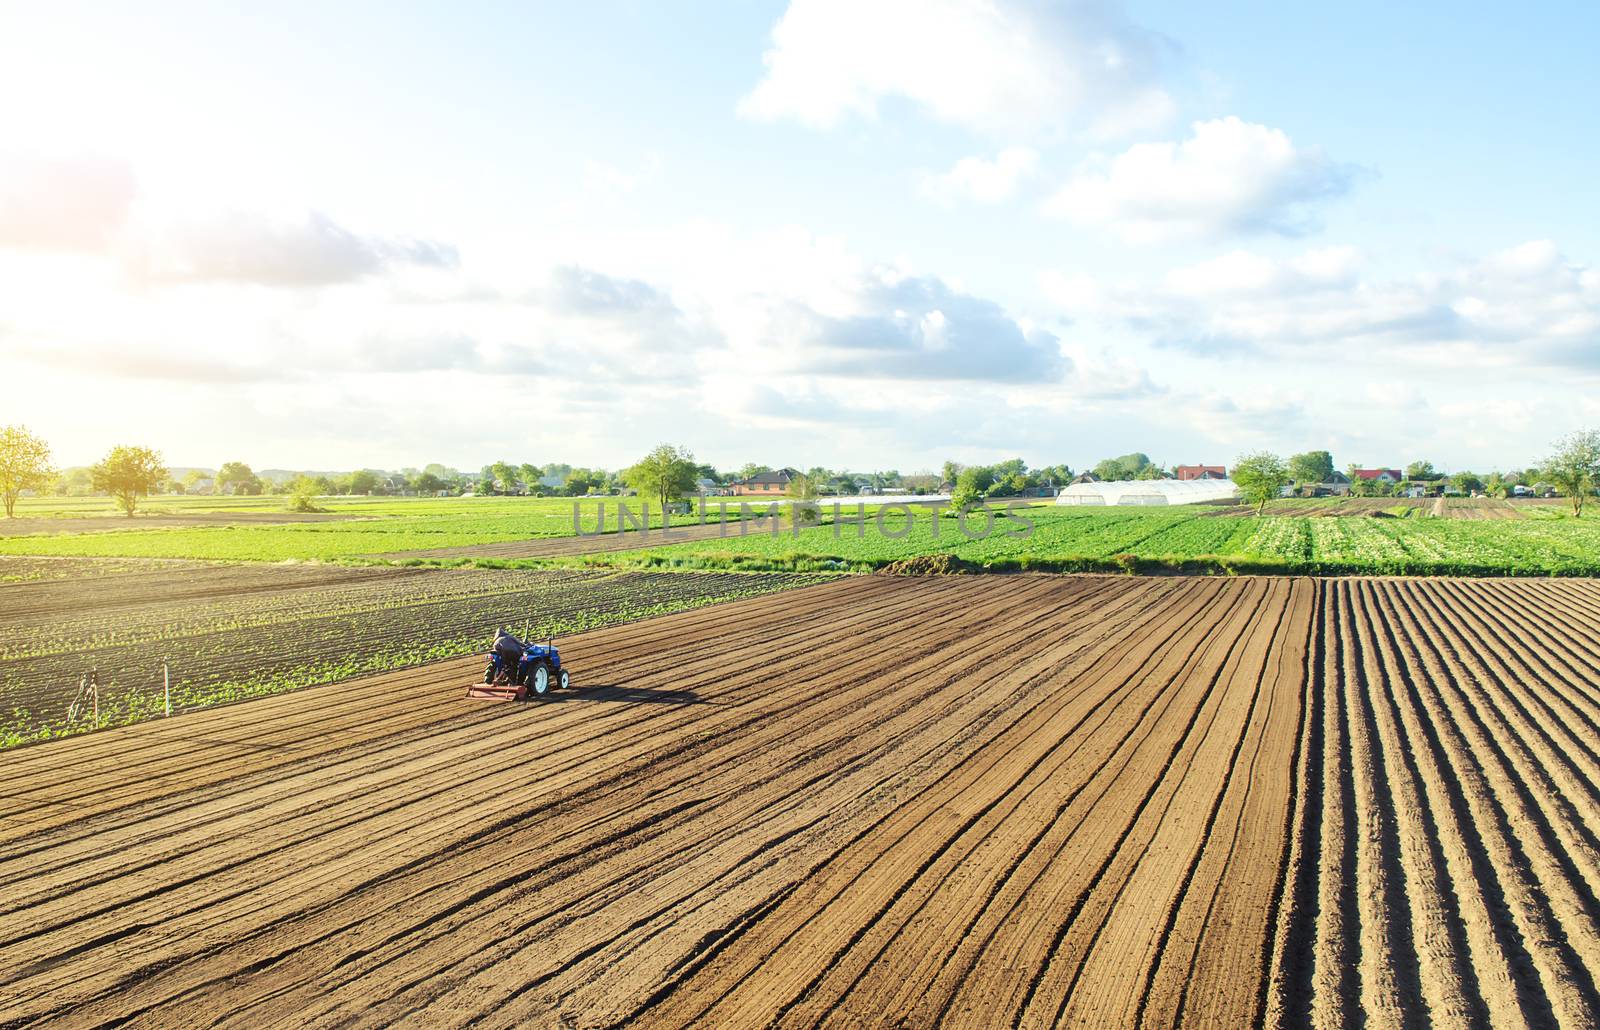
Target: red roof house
(1379, 475)
(1188, 472)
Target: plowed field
(228, 632)
(971, 801)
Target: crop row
(355, 538)
(1087, 539)
(252, 645)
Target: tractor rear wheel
(488, 673)
(539, 679)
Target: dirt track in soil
(569, 546)
(111, 523)
(975, 801)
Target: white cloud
(987, 182)
(1230, 176)
(604, 179)
(1524, 307)
(63, 204)
(912, 328)
(305, 249)
(990, 65)
(95, 207)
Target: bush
(303, 496)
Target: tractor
(537, 672)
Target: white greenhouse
(1149, 492)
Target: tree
(530, 475)
(303, 493)
(129, 473)
(1011, 485)
(1496, 485)
(1311, 467)
(1575, 467)
(1009, 468)
(235, 477)
(802, 491)
(580, 482)
(1466, 482)
(750, 469)
(970, 487)
(426, 483)
(192, 479)
(1261, 477)
(1053, 475)
(24, 465)
(665, 473)
(77, 482)
(1422, 471)
(950, 471)
(363, 482)
(1128, 466)
(502, 475)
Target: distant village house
(768, 484)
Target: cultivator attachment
(497, 692)
(529, 671)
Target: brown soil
(963, 801)
(567, 546)
(928, 565)
(207, 625)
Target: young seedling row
(224, 633)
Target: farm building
(770, 483)
(1186, 473)
(1149, 492)
(1379, 475)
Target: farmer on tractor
(519, 672)
(510, 649)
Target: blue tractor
(516, 674)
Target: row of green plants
(382, 534)
(1160, 541)
(224, 653)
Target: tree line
(1572, 470)
(131, 473)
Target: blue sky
(852, 234)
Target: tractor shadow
(630, 695)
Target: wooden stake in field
(166, 686)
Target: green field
(1545, 541)
(1068, 539)
(90, 507)
(384, 526)
(379, 526)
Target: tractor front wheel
(564, 680)
(539, 679)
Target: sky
(862, 234)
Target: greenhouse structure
(1149, 492)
